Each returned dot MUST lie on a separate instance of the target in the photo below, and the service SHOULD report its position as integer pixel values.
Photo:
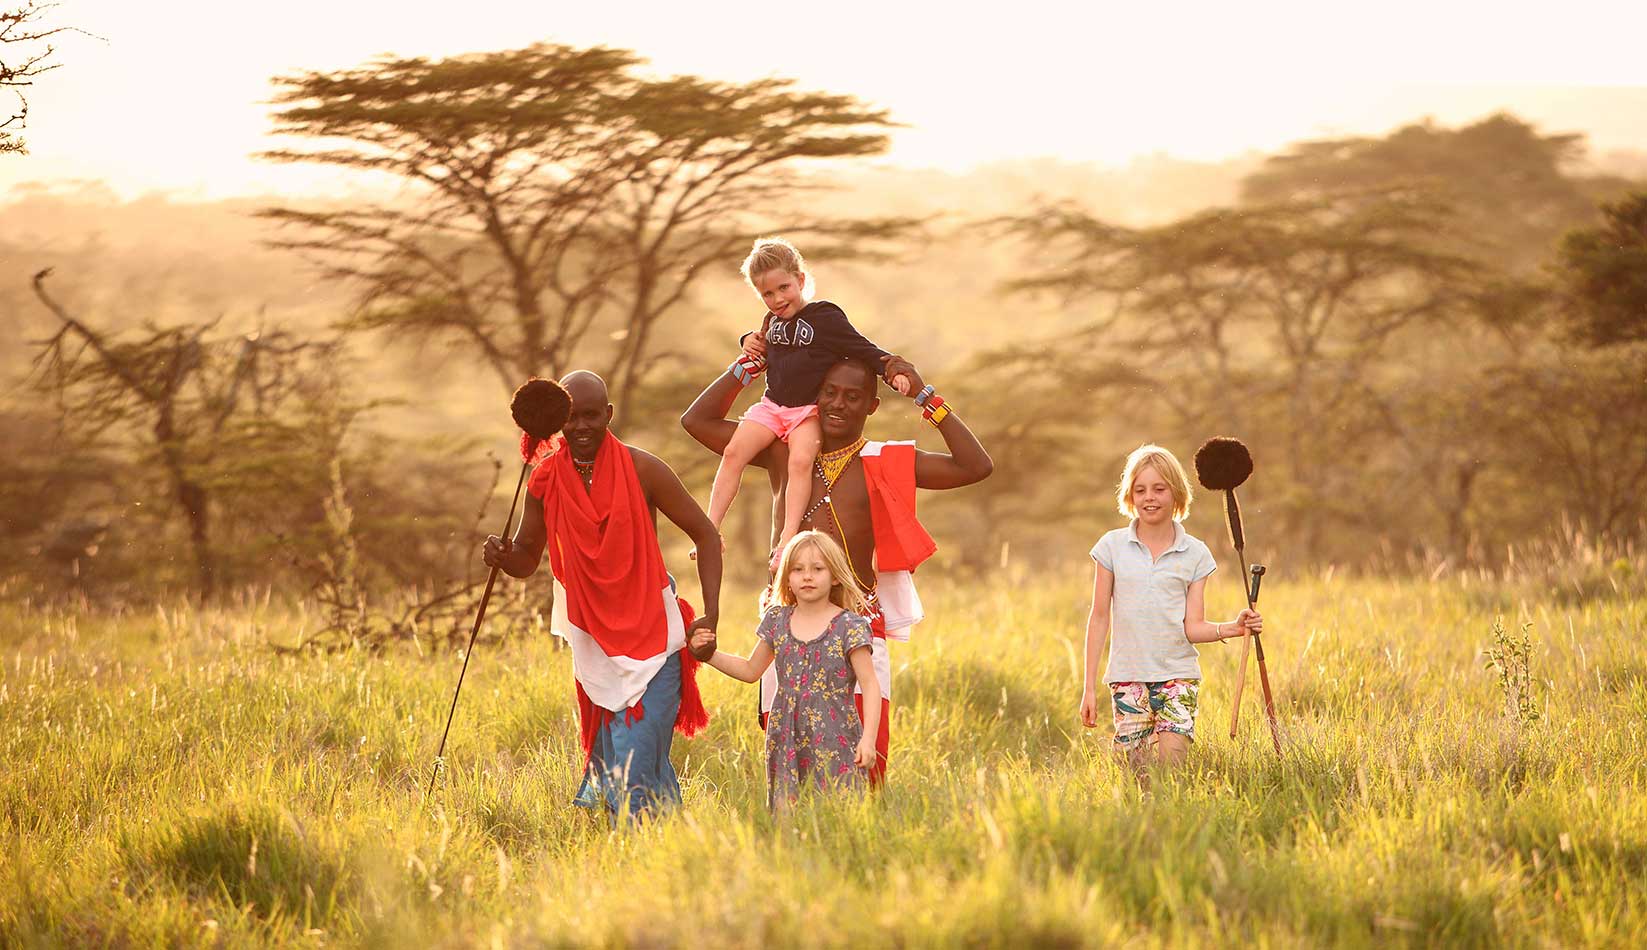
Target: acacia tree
(1602, 273)
(1512, 187)
(183, 395)
(1573, 425)
(1272, 319)
(556, 190)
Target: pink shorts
(782, 420)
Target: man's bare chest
(841, 510)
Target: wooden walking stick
(540, 408)
(1224, 464)
(1257, 571)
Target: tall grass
(167, 778)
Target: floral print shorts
(1142, 709)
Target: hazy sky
(173, 99)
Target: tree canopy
(1602, 273)
(557, 191)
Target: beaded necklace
(830, 466)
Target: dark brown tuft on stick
(540, 407)
(1222, 464)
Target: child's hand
(896, 366)
(1250, 620)
(902, 384)
(754, 345)
(864, 756)
(702, 643)
(1089, 710)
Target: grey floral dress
(813, 731)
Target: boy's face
(780, 291)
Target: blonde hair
(775, 253)
(1166, 465)
(843, 592)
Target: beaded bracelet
(744, 369)
(935, 416)
(925, 394)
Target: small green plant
(1510, 657)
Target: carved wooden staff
(1223, 464)
(540, 408)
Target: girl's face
(1151, 497)
(780, 290)
(809, 577)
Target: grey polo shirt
(1147, 642)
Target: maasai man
(593, 503)
(862, 493)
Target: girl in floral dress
(814, 736)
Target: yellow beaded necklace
(832, 464)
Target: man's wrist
(745, 368)
(935, 410)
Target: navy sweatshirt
(802, 348)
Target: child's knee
(740, 452)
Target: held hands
(1089, 709)
(897, 368)
(754, 345)
(700, 639)
(864, 756)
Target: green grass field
(169, 779)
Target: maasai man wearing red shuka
(593, 504)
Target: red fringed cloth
(624, 616)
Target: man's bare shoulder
(647, 464)
(642, 457)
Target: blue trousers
(629, 768)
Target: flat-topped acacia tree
(557, 191)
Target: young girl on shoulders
(799, 340)
(1148, 605)
(821, 642)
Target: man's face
(846, 398)
(586, 427)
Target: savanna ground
(169, 779)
